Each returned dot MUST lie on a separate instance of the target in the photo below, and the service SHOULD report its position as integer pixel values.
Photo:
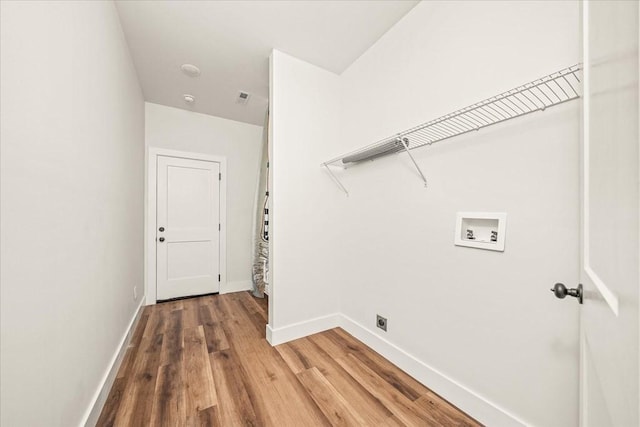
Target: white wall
(241, 143)
(72, 206)
(302, 239)
(486, 321)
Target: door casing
(150, 216)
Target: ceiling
(230, 41)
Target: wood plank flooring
(205, 362)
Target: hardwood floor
(205, 362)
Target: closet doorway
(185, 244)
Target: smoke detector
(189, 99)
(190, 70)
(243, 97)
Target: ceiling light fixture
(190, 70)
(189, 99)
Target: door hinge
(219, 176)
(218, 277)
(219, 228)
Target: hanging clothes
(261, 251)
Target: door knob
(162, 240)
(161, 229)
(561, 291)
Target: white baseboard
(464, 398)
(302, 329)
(92, 413)
(236, 286)
(269, 334)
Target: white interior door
(187, 227)
(610, 232)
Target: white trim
(91, 415)
(302, 329)
(609, 296)
(150, 217)
(236, 286)
(461, 396)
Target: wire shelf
(538, 95)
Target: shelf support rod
(406, 147)
(336, 180)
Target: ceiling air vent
(243, 97)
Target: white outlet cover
(482, 224)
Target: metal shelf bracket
(406, 147)
(335, 179)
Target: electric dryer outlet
(381, 322)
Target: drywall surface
(72, 164)
(504, 349)
(240, 143)
(485, 319)
(302, 243)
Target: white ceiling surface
(230, 41)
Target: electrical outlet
(381, 322)
(135, 292)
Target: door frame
(150, 215)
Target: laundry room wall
(483, 319)
(303, 241)
(479, 327)
(72, 180)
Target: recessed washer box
(481, 230)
